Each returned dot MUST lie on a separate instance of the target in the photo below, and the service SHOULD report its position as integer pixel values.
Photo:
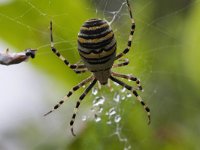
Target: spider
(97, 48)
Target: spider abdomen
(97, 46)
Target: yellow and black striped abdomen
(97, 45)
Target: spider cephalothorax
(97, 48)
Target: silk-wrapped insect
(7, 58)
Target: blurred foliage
(166, 52)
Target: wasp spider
(97, 48)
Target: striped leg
(129, 77)
(79, 71)
(57, 53)
(79, 62)
(126, 50)
(136, 95)
(75, 88)
(78, 104)
(123, 62)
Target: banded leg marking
(129, 77)
(146, 108)
(123, 62)
(78, 104)
(126, 50)
(57, 53)
(75, 88)
(79, 71)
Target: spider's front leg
(126, 50)
(57, 53)
(136, 95)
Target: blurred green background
(164, 56)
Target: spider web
(115, 11)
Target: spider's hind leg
(136, 95)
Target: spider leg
(136, 95)
(99, 85)
(79, 62)
(57, 53)
(109, 85)
(78, 104)
(82, 69)
(129, 77)
(126, 50)
(79, 71)
(123, 62)
(75, 88)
